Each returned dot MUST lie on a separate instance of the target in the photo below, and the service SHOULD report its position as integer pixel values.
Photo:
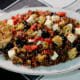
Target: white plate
(58, 3)
(57, 69)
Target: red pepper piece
(48, 40)
(27, 47)
(39, 39)
(61, 14)
(34, 47)
(33, 27)
(78, 26)
(30, 47)
(47, 51)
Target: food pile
(40, 38)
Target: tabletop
(16, 76)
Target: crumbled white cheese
(30, 40)
(10, 22)
(55, 27)
(77, 31)
(31, 19)
(39, 33)
(70, 25)
(55, 18)
(11, 53)
(48, 17)
(71, 37)
(54, 56)
(49, 23)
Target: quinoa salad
(40, 38)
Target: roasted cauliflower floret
(67, 29)
(19, 26)
(57, 40)
(40, 57)
(6, 38)
(72, 53)
(41, 19)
